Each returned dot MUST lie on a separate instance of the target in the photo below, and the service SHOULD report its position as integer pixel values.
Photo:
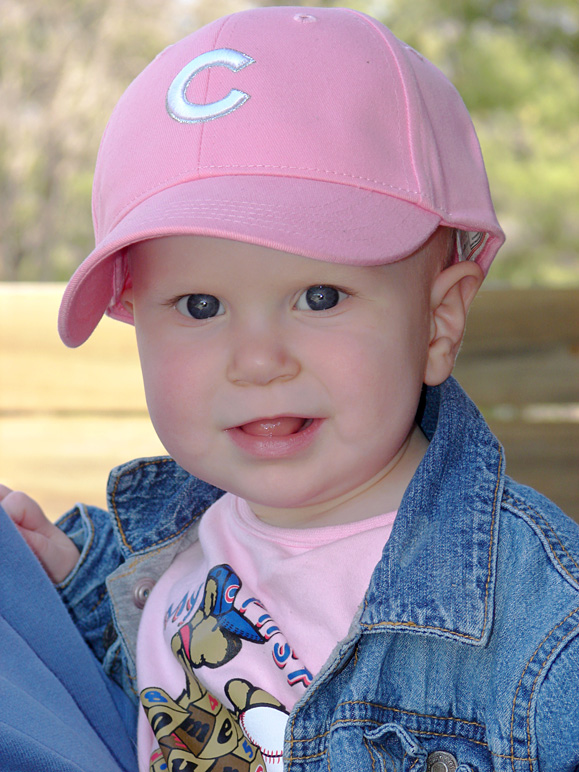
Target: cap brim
(322, 220)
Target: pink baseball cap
(310, 130)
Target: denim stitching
(69, 515)
(393, 762)
(293, 741)
(425, 732)
(533, 655)
(534, 687)
(102, 596)
(525, 509)
(291, 758)
(116, 514)
(305, 758)
(310, 739)
(487, 584)
(392, 710)
(510, 756)
(86, 549)
(383, 752)
(369, 754)
(136, 564)
(412, 713)
(499, 470)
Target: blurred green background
(63, 66)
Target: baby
(291, 207)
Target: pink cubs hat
(310, 130)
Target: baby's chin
(293, 512)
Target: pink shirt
(237, 627)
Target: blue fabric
(467, 642)
(58, 711)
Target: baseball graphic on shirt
(264, 726)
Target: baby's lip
(278, 426)
(278, 437)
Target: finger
(25, 511)
(12, 504)
(4, 491)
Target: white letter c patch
(184, 111)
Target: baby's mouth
(283, 426)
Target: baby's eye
(320, 298)
(200, 306)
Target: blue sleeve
(84, 591)
(58, 712)
(557, 719)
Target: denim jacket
(464, 655)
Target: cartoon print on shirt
(215, 634)
(196, 731)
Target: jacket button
(142, 591)
(441, 761)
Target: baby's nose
(261, 358)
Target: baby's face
(288, 381)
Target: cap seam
(208, 79)
(409, 74)
(369, 22)
(238, 220)
(172, 181)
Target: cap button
(441, 761)
(142, 591)
(305, 18)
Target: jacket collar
(153, 501)
(437, 574)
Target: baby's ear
(452, 292)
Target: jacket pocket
(393, 749)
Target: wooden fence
(520, 364)
(67, 417)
